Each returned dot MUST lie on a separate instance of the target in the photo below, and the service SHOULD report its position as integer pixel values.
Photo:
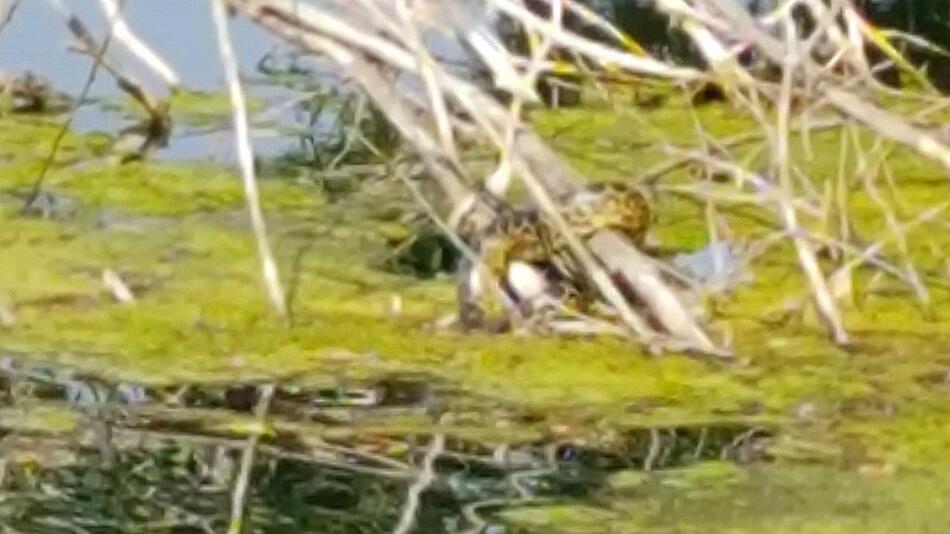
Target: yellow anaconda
(525, 237)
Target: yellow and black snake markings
(525, 237)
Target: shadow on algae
(132, 416)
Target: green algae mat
(858, 435)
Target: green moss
(566, 519)
(774, 499)
(172, 189)
(47, 263)
(177, 233)
(198, 108)
(29, 140)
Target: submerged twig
(426, 476)
(239, 495)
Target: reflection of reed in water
(320, 466)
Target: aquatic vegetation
(136, 344)
(202, 109)
(799, 498)
(176, 234)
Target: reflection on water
(84, 454)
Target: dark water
(334, 459)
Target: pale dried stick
(891, 126)
(602, 54)
(137, 47)
(242, 142)
(842, 191)
(499, 181)
(428, 72)
(868, 253)
(597, 21)
(806, 255)
(868, 172)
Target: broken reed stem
(602, 54)
(890, 126)
(500, 180)
(245, 154)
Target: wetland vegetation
(148, 384)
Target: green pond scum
(859, 433)
(189, 108)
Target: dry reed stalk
(806, 254)
(825, 71)
(869, 171)
(138, 48)
(245, 154)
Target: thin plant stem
(426, 476)
(245, 154)
(239, 495)
(37, 188)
